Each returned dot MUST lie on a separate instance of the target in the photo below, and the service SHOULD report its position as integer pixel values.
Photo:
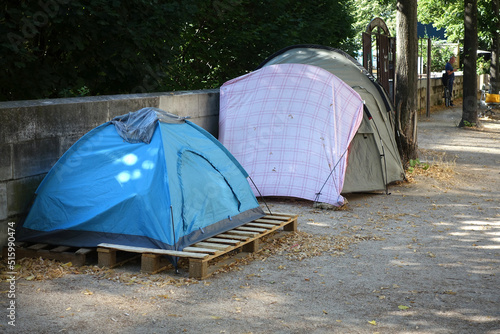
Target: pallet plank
(134, 249)
(279, 214)
(38, 246)
(212, 245)
(270, 221)
(200, 250)
(224, 241)
(266, 226)
(84, 251)
(251, 229)
(232, 236)
(60, 249)
(52, 252)
(276, 218)
(244, 233)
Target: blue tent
(147, 179)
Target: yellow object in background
(492, 98)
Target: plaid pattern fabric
(289, 126)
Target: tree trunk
(406, 78)
(469, 108)
(495, 51)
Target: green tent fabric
(374, 160)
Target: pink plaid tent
(290, 126)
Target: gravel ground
(423, 259)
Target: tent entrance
(207, 195)
(364, 172)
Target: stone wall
(35, 134)
(437, 90)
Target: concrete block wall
(35, 134)
(201, 106)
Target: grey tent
(373, 160)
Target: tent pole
(331, 172)
(175, 244)
(262, 197)
(385, 161)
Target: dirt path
(424, 259)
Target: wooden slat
(83, 251)
(211, 245)
(153, 251)
(37, 246)
(270, 221)
(274, 214)
(200, 250)
(47, 251)
(281, 219)
(60, 249)
(223, 241)
(279, 214)
(244, 233)
(232, 236)
(251, 229)
(266, 226)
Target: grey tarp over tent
(374, 160)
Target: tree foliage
(450, 15)
(54, 48)
(367, 10)
(444, 14)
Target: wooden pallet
(76, 255)
(246, 237)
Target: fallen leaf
(373, 322)
(403, 307)
(163, 296)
